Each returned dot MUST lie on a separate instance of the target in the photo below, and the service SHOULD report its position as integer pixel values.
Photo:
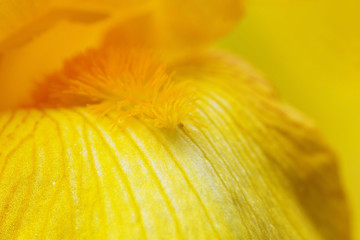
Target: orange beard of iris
(132, 82)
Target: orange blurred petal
(36, 37)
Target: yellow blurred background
(310, 51)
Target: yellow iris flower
(118, 123)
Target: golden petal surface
(256, 170)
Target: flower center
(132, 82)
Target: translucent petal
(180, 25)
(201, 21)
(258, 170)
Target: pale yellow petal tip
(128, 81)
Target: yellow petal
(314, 62)
(258, 170)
